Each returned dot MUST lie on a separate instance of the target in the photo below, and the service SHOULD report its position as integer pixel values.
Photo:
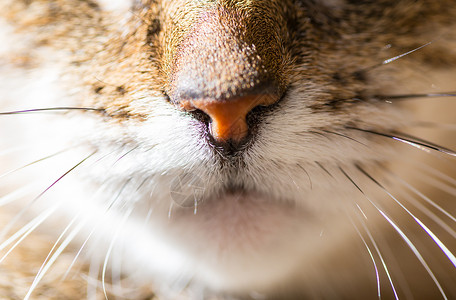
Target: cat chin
(235, 242)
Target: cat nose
(220, 68)
(229, 117)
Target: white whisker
(53, 258)
(17, 194)
(427, 199)
(57, 242)
(372, 258)
(92, 279)
(25, 231)
(401, 234)
(111, 246)
(429, 214)
(441, 185)
(415, 251)
(377, 250)
(436, 173)
(407, 240)
(441, 245)
(366, 229)
(34, 162)
(27, 207)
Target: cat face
(237, 145)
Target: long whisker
(95, 226)
(54, 257)
(34, 162)
(57, 242)
(427, 124)
(436, 173)
(412, 141)
(108, 253)
(345, 136)
(392, 59)
(17, 194)
(63, 175)
(425, 198)
(442, 246)
(50, 109)
(402, 235)
(324, 169)
(440, 185)
(413, 201)
(92, 279)
(377, 276)
(25, 231)
(20, 214)
(308, 176)
(377, 249)
(125, 154)
(413, 96)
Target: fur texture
(336, 193)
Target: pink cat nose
(228, 117)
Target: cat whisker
(415, 202)
(426, 124)
(441, 245)
(73, 262)
(377, 250)
(117, 197)
(415, 96)
(25, 231)
(111, 246)
(95, 227)
(420, 140)
(406, 239)
(324, 169)
(53, 258)
(170, 210)
(441, 185)
(17, 194)
(125, 154)
(392, 59)
(377, 276)
(57, 242)
(26, 207)
(424, 197)
(92, 278)
(371, 238)
(35, 162)
(437, 173)
(345, 136)
(409, 140)
(308, 176)
(50, 109)
(63, 175)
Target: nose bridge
(215, 60)
(226, 61)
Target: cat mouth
(232, 200)
(237, 220)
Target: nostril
(228, 118)
(200, 116)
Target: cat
(223, 149)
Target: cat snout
(226, 64)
